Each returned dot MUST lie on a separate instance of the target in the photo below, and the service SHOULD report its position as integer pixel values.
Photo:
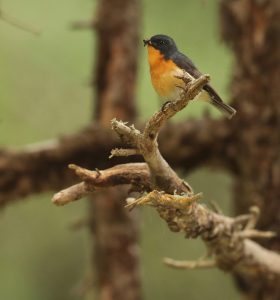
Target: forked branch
(227, 239)
(136, 174)
(163, 176)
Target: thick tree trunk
(117, 45)
(114, 229)
(252, 29)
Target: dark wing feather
(208, 88)
(183, 62)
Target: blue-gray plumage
(166, 61)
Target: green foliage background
(45, 92)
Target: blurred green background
(44, 93)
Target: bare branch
(163, 176)
(181, 201)
(135, 173)
(185, 145)
(19, 24)
(124, 152)
(229, 245)
(185, 264)
(193, 88)
(253, 234)
(253, 217)
(226, 238)
(73, 193)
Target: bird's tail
(223, 107)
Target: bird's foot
(165, 105)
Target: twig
(253, 234)
(134, 173)
(164, 177)
(228, 244)
(192, 89)
(91, 145)
(188, 264)
(156, 198)
(124, 152)
(19, 24)
(73, 193)
(226, 238)
(254, 217)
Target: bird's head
(162, 43)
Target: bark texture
(117, 28)
(252, 29)
(43, 167)
(114, 230)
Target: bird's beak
(146, 42)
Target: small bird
(167, 63)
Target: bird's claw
(165, 105)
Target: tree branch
(136, 174)
(192, 89)
(228, 243)
(19, 24)
(198, 264)
(163, 176)
(43, 166)
(227, 239)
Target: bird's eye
(161, 42)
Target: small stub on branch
(73, 193)
(189, 264)
(124, 152)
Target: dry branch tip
(197, 264)
(124, 152)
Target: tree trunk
(114, 229)
(252, 29)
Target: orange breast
(163, 74)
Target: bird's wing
(183, 62)
(213, 94)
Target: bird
(167, 63)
